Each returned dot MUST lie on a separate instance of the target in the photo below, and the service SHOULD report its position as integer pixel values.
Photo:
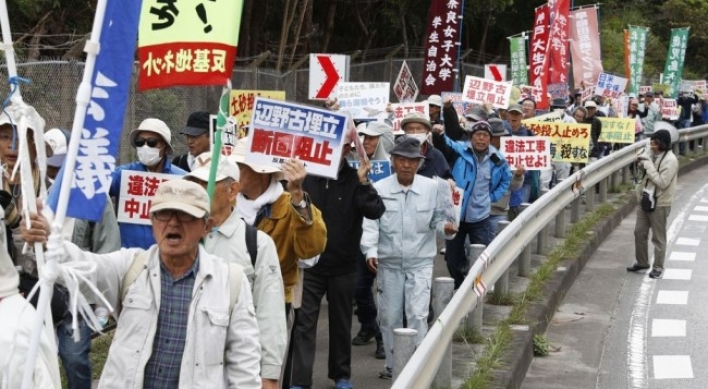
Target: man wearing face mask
(152, 143)
(415, 125)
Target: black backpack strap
(251, 237)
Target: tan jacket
(664, 179)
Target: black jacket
(182, 162)
(344, 204)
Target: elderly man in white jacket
(187, 317)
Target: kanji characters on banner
(570, 142)
(519, 71)
(190, 42)
(457, 103)
(558, 91)
(617, 130)
(380, 169)
(585, 47)
(609, 85)
(405, 88)
(558, 42)
(637, 49)
(643, 89)
(399, 111)
(530, 152)
(538, 76)
(100, 138)
(527, 91)
(241, 106)
(669, 109)
(282, 130)
(673, 70)
(441, 44)
(480, 91)
(363, 100)
(136, 192)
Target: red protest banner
(585, 47)
(539, 53)
(558, 44)
(441, 45)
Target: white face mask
(149, 156)
(422, 138)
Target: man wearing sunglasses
(152, 143)
(482, 170)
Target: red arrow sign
(496, 73)
(331, 77)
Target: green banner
(637, 49)
(673, 70)
(519, 73)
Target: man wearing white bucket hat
(152, 143)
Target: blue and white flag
(100, 138)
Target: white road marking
(677, 274)
(701, 208)
(698, 218)
(664, 328)
(672, 297)
(687, 242)
(672, 366)
(682, 256)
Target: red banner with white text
(538, 74)
(442, 42)
(585, 47)
(558, 41)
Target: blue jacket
(137, 235)
(464, 169)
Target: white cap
(238, 155)
(158, 127)
(181, 195)
(435, 100)
(202, 167)
(57, 141)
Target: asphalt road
(624, 330)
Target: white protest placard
(669, 109)
(363, 100)
(136, 192)
(643, 89)
(401, 110)
(551, 117)
(282, 130)
(480, 91)
(691, 86)
(532, 153)
(587, 93)
(405, 88)
(609, 85)
(457, 103)
(528, 91)
(326, 71)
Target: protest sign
(405, 88)
(326, 72)
(643, 89)
(617, 130)
(675, 57)
(441, 49)
(555, 116)
(401, 110)
(136, 192)
(282, 130)
(363, 100)
(241, 106)
(530, 152)
(480, 91)
(194, 47)
(558, 91)
(609, 85)
(587, 93)
(661, 89)
(519, 70)
(585, 46)
(693, 86)
(669, 109)
(637, 43)
(380, 169)
(457, 103)
(570, 142)
(528, 91)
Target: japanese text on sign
(363, 100)
(284, 130)
(558, 42)
(441, 46)
(457, 103)
(380, 169)
(539, 43)
(609, 85)
(481, 91)
(669, 109)
(570, 142)
(585, 47)
(136, 192)
(401, 110)
(617, 130)
(241, 105)
(530, 152)
(405, 88)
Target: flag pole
(83, 96)
(221, 121)
(8, 48)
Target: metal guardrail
(421, 369)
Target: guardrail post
(444, 287)
(626, 179)
(474, 318)
(542, 238)
(560, 224)
(603, 190)
(590, 199)
(615, 180)
(501, 287)
(403, 348)
(575, 209)
(524, 259)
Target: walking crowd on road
(227, 291)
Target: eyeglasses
(151, 142)
(166, 215)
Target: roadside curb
(519, 353)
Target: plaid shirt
(163, 367)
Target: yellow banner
(570, 142)
(555, 116)
(617, 130)
(190, 42)
(241, 106)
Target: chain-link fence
(53, 87)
